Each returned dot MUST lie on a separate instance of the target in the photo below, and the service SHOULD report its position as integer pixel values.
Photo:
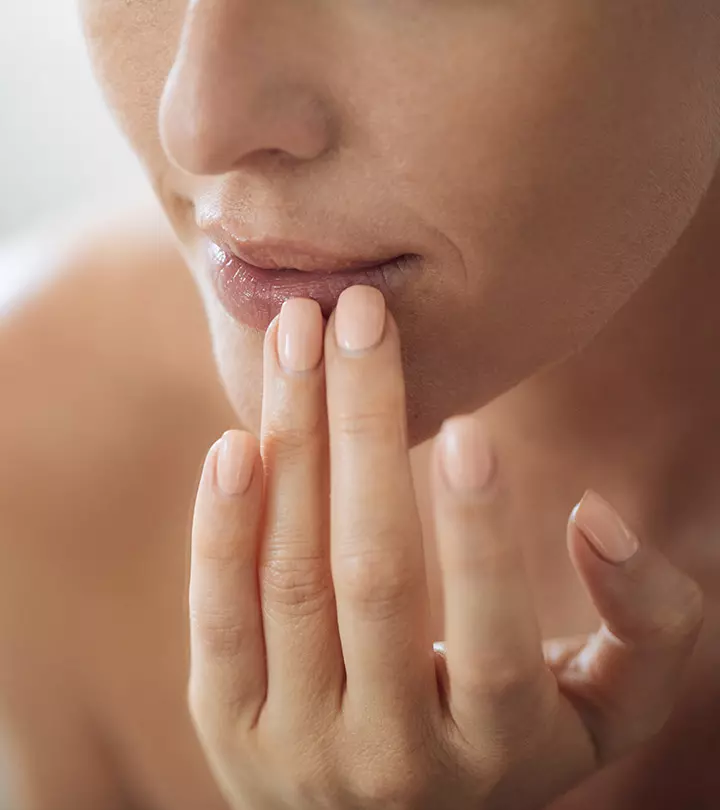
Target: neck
(635, 414)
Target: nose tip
(224, 104)
(196, 133)
(206, 136)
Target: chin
(238, 354)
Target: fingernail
(300, 334)
(465, 454)
(604, 529)
(235, 463)
(359, 318)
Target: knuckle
(677, 622)
(400, 767)
(291, 443)
(311, 782)
(506, 683)
(219, 632)
(296, 585)
(512, 690)
(517, 705)
(394, 782)
(685, 621)
(222, 548)
(503, 560)
(375, 582)
(383, 426)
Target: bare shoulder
(102, 337)
(109, 400)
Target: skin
(635, 177)
(472, 135)
(116, 733)
(313, 684)
(95, 506)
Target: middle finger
(376, 551)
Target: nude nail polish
(234, 463)
(465, 454)
(604, 529)
(359, 318)
(300, 335)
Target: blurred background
(59, 149)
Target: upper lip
(283, 254)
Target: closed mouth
(254, 295)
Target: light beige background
(59, 148)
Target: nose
(244, 84)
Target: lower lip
(254, 296)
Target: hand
(314, 682)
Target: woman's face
(536, 158)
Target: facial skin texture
(542, 157)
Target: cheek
(563, 173)
(560, 166)
(545, 143)
(132, 46)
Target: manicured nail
(300, 334)
(604, 529)
(465, 455)
(235, 463)
(359, 318)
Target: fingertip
(355, 326)
(645, 599)
(605, 532)
(300, 336)
(235, 454)
(465, 457)
(360, 319)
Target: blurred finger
(492, 639)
